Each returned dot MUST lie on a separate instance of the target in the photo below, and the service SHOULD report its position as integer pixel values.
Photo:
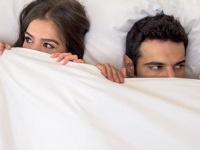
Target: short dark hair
(69, 17)
(161, 27)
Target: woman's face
(42, 35)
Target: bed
(46, 106)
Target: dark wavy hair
(161, 27)
(68, 16)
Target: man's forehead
(159, 47)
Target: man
(155, 47)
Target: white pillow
(9, 12)
(110, 22)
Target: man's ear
(128, 64)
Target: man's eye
(155, 67)
(47, 45)
(28, 40)
(180, 66)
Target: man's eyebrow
(180, 62)
(154, 63)
(160, 64)
(47, 40)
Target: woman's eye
(28, 40)
(47, 45)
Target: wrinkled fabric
(45, 105)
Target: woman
(54, 27)
(58, 28)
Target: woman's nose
(36, 46)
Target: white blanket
(48, 106)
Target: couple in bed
(155, 46)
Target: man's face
(161, 59)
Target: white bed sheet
(47, 106)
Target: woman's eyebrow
(44, 39)
(29, 34)
(51, 40)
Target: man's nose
(170, 72)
